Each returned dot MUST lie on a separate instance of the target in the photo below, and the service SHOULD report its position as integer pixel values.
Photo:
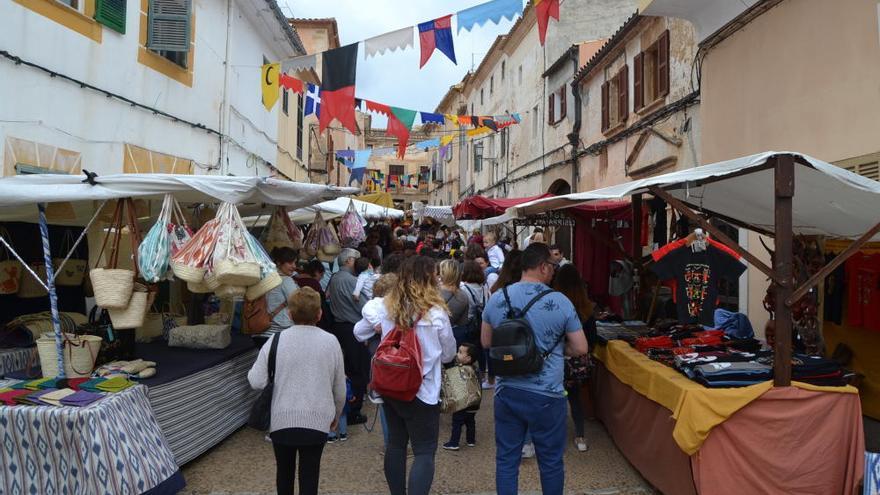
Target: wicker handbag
(80, 352)
(154, 323)
(132, 316)
(113, 286)
(10, 269)
(70, 273)
(29, 288)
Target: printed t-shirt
(863, 276)
(696, 275)
(549, 318)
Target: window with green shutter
(111, 13)
(169, 25)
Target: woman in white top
(413, 302)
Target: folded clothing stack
(817, 371)
(716, 375)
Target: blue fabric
(357, 174)
(429, 143)
(436, 118)
(313, 100)
(361, 159)
(383, 151)
(736, 325)
(490, 11)
(544, 418)
(549, 318)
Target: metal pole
(53, 295)
(784, 177)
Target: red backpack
(397, 365)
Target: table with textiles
(99, 439)
(687, 438)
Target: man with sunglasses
(535, 403)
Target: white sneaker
(374, 397)
(487, 385)
(268, 438)
(528, 451)
(581, 444)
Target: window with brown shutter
(557, 104)
(663, 64)
(638, 84)
(605, 110)
(563, 102)
(623, 94)
(552, 117)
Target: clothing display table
(112, 446)
(16, 359)
(685, 438)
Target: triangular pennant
(399, 130)
(313, 100)
(269, 82)
(436, 34)
(299, 64)
(490, 11)
(338, 77)
(446, 139)
(393, 41)
(291, 83)
(444, 150)
(361, 158)
(357, 174)
(478, 131)
(406, 117)
(372, 106)
(475, 121)
(544, 10)
(487, 122)
(429, 143)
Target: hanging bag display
(79, 351)
(154, 323)
(270, 277)
(29, 288)
(10, 268)
(190, 264)
(113, 286)
(116, 345)
(154, 253)
(351, 227)
(71, 273)
(181, 232)
(234, 264)
(281, 232)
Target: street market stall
(184, 409)
(767, 437)
(336, 208)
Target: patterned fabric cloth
(113, 446)
(15, 359)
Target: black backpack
(475, 324)
(514, 351)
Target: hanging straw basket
(188, 273)
(133, 315)
(237, 274)
(260, 289)
(198, 288)
(80, 352)
(10, 276)
(112, 286)
(211, 282)
(230, 291)
(73, 274)
(30, 288)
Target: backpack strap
(510, 312)
(273, 351)
(536, 299)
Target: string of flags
(336, 100)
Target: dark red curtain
(592, 257)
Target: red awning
(480, 207)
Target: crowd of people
(452, 289)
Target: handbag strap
(116, 231)
(273, 351)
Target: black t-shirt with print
(696, 276)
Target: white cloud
(394, 78)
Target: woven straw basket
(211, 282)
(133, 315)
(10, 276)
(188, 273)
(79, 355)
(198, 288)
(239, 274)
(230, 291)
(73, 274)
(112, 286)
(28, 287)
(260, 289)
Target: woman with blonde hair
(449, 275)
(414, 304)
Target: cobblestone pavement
(244, 464)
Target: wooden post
(783, 261)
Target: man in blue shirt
(535, 403)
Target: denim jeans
(342, 429)
(419, 424)
(544, 417)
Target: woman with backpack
(449, 275)
(413, 304)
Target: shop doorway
(562, 236)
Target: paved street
(355, 466)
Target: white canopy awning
(828, 200)
(337, 207)
(19, 194)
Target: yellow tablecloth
(696, 409)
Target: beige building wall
(801, 77)
(414, 162)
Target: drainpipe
(224, 103)
(574, 137)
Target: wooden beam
(721, 236)
(784, 267)
(830, 267)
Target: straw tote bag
(80, 352)
(113, 286)
(73, 273)
(10, 269)
(30, 288)
(154, 323)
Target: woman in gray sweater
(309, 392)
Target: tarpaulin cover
(478, 207)
(335, 208)
(828, 200)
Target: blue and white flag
(313, 101)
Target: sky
(394, 78)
